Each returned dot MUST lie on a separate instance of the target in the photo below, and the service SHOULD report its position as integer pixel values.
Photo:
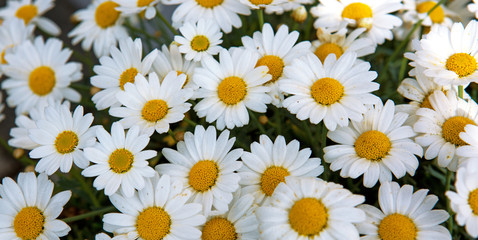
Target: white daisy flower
(120, 161)
(122, 67)
(338, 43)
(439, 128)
(269, 163)
(100, 27)
(468, 154)
(225, 13)
(38, 73)
(205, 164)
(152, 105)
(2, 107)
(473, 7)
(158, 211)
(129, 7)
(464, 202)
(418, 9)
(31, 11)
(404, 215)
(332, 92)
(375, 16)
(310, 208)
(28, 209)
(61, 138)
(276, 52)
(13, 33)
(172, 60)
(455, 63)
(286, 6)
(199, 40)
(375, 147)
(230, 87)
(270, 6)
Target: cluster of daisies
(271, 188)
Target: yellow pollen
(127, 77)
(232, 90)
(143, 3)
(219, 228)
(154, 110)
(66, 142)
(121, 160)
(372, 145)
(437, 15)
(308, 217)
(260, 2)
(397, 226)
(200, 43)
(42, 80)
(357, 11)
(153, 223)
(327, 91)
(28, 223)
(473, 201)
(463, 64)
(2, 57)
(275, 65)
(271, 178)
(27, 12)
(209, 3)
(203, 175)
(106, 15)
(452, 128)
(328, 48)
(426, 102)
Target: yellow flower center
(426, 102)
(27, 12)
(143, 3)
(397, 226)
(372, 145)
(153, 223)
(154, 110)
(473, 201)
(203, 175)
(2, 56)
(260, 2)
(452, 128)
(271, 178)
(127, 77)
(462, 64)
(275, 65)
(209, 3)
(106, 15)
(437, 15)
(121, 160)
(66, 142)
(328, 48)
(42, 80)
(200, 43)
(357, 11)
(219, 228)
(308, 216)
(327, 91)
(232, 90)
(28, 223)
(187, 77)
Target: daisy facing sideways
(28, 209)
(129, 7)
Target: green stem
(260, 17)
(278, 120)
(460, 91)
(170, 132)
(88, 214)
(85, 186)
(448, 207)
(163, 19)
(256, 121)
(190, 122)
(24, 159)
(403, 68)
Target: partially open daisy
(206, 165)
(153, 105)
(31, 11)
(310, 208)
(468, 154)
(403, 215)
(418, 9)
(158, 211)
(332, 92)
(13, 32)
(100, 27)
(269, 163)
(376, 146)
(456, 62)
(129, 7)
(199, 39)
(28, 209)
(276, 51)
(225, 13)
(230, 87)
(36, 78)
(122, 67)
(120, 162)
(375, 16)
(439, 128)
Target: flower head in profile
(129, 7)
